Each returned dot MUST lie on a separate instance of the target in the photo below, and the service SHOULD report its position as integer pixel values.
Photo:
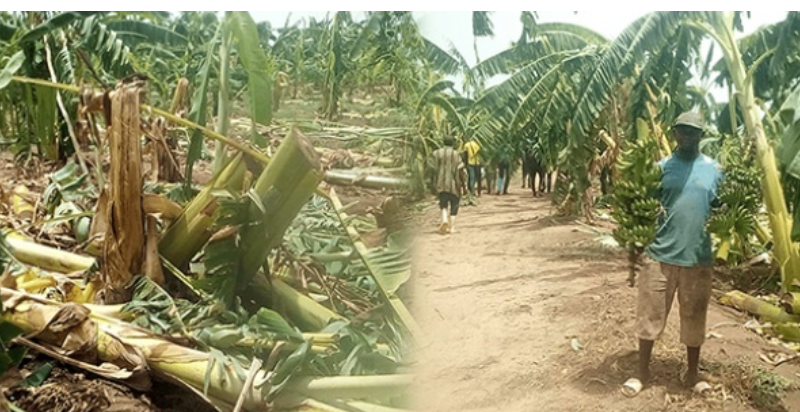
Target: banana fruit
(733, 221)
(636, 203)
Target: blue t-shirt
(688, 189)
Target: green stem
(753, 67)
(348, 387)
(732, 109)
(224, 104)
(15, 408)
(302, 310)
(187, 235)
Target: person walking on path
(490, 171)
(680, 258)
(467, 197)
(503, 171)
(448, 172)
(473, 150)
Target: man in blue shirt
(681, 255)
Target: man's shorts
(445, 199)
(658, 283)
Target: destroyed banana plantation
(194, 213)
(202, 211)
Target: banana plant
(337, 62)
(720, 26)
(653, 32)
(787, 117)
(70, 47)
(238, 36)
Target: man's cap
(691, 119)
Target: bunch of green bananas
(741, 187)
(636, 203)
(733, 220)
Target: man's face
(686, 136)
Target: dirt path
(504, 297)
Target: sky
(444, 27)
(455, 27)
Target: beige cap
(691, 119)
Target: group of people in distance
(459, 173)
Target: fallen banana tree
(354, 178)
(302, 310)
(353, 159)
(320, 343)
(757, 307)
(308, 313)
(206, 227)
(45, 257)
(782, 320)
(386, 289)
(71, 288)
(296, 304)
(187, 235)
(69, 329)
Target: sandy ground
(525, 312)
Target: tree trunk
(178, 106)
(164, 163)
(333, 102)
(124, 242)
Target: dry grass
(753, 384)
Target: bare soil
(526, 312)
